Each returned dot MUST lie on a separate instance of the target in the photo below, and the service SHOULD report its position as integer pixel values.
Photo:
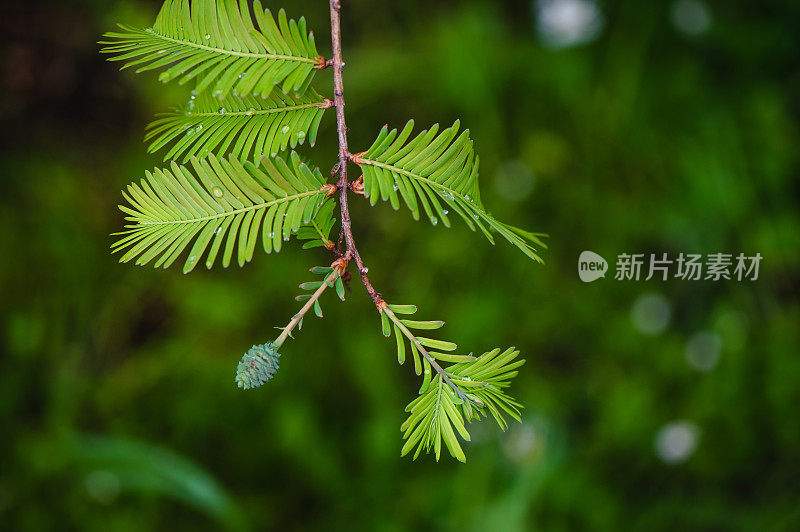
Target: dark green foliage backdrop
(118, 409)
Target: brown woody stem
(341, 127)
(357, 186)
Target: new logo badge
(591, 266)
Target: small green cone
(257, 366)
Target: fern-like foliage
(171, 208)
(431, 419)
(430, 170)
(317, 232)
(217, 43)
(418, 346)
(245, 127)
(483, 382)
(452, 395)
(440, 409)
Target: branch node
(340, 265)
(327, 103)
(357, 157)
(322, 63)
(329, 189)
(357, 186)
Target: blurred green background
(618, 126)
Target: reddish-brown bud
(321, 62)
(329, 189)
(340, 265)
(357, 186)
(357, 157)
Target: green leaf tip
(257, 366)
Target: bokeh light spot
(514, 180)
(676, 441)
(565, 23)
(702, 351)
(650, 313)
(691, 17)
(102, 486)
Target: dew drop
(199, 127)
(395, 186)
(301, 135)
(217, 192)
(241, 75)
(207, 36)
(251, 111)
(217, 230)
(434, 221)
(273, 154)
(445, 211)
(286, 239)
(222, 110)
(285, 129)
(272, 234)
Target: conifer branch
(222, 206)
